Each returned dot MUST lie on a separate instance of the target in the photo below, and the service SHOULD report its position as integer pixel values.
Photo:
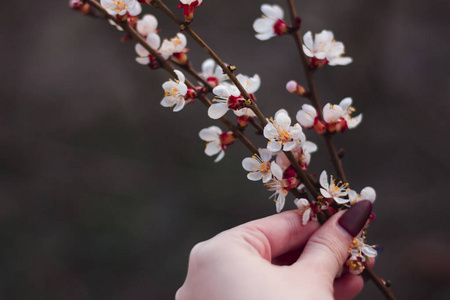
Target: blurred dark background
(104, 192)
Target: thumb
(327, 249)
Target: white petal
(283, 120)
(140, 50)
(289, 146)
(222, 91)
(210, 134)
(308, 40)
(341, 61)
(309, 147)
(254, 176)
(325, 193)
(179, 106)
(143, 60)
(369, 251)
(220, 156)
(250, 164)
(135, 9)
(274, 146)
(208, 67)
(280, 202)
(212, 148)
(353, 196)
(324, 180)
(264, 36)
(368, 193)
(179, 75)
(270, 131)
(265, 154)
(301, 203)
(306, 215)
(217, 110)
(182, 88)
(274, 12)
(267, 177)
(340, 200)
(353, 122)
(154, 40)
(305, 119)
(345, 103)
(276, 171)
(168, 85)
(263, 25)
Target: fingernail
(353, 219)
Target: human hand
(277, 258)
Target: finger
(347, 287)
(277, 234)
(327, 249)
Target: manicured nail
(353, 219)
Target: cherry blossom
(147, 25)
(189, 8)
(367, 193)
(277, 186)
(217, 141)
(175, 92)
(259, 166)
(304, 209)
(324, 47)
(281, 134)
(213, 73)
(120, 8)
(144, 57)
(359, 253)
(271, 23)
(347, 109)
(227, 97)
(332, 190)
(338, 117)
(250, 84)
(294, 88)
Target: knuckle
(331, 247)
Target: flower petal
(217, 110)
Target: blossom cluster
(287, 153)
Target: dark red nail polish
(353, 219)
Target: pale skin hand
(260, 260)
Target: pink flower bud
(294, 88)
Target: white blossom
(333, 190)
(323, 46)
(122, 7)
(307, 116)
(147, 25)
(332, 113)
(269, 24)
(304, 209)
(258, 166)
(179, 43)
(347, 109)
(153, 40)
(367, 193)
(250, 84)
(281, 134)
(213, 73)
(175, 92)
(276, 186)
(214, 145)
(226, 96)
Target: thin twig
(312, 92)
(313, 95)
(169, 68)
(185, 27)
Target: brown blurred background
(104, 192)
